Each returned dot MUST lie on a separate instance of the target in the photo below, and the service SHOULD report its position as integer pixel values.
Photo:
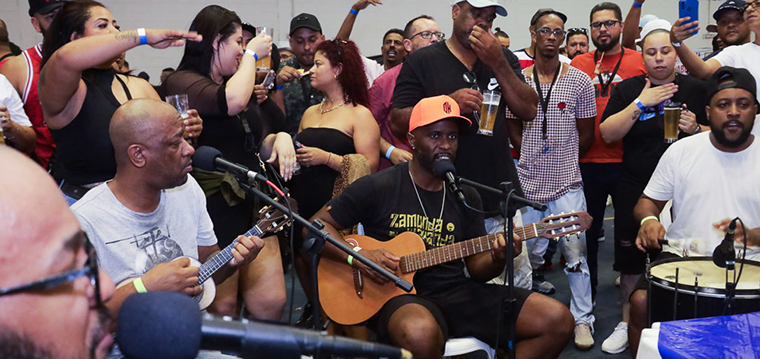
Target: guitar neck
(421, 260)
(220, 259)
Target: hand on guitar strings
(175, 276)
(246, 250)
(383, 258)
(499, 251)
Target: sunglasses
(90, 270)
(576, 31)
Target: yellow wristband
(350, 260)
(139, 286)
(648, 218)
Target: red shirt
(631, 65)
(380, 101)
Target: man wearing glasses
(471, 60)
(607, 66)
(51, 291)
(418, 33)
(577, 42)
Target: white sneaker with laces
(617, 342)
(583, 338)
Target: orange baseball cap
(433, 109)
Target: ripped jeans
(573, 248)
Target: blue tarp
(736, 336)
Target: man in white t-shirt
(710, 177)
(153, 212)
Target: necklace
(443, 203)
(322, 111)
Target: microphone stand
(320, 236)
(508, 208)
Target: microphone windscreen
(441, 167)
(158, 324)
(204, 158)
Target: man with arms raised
(51, 291)
(447, 303)
(709, 176)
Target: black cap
(43, 7)
(728, 5)
(248, 27)
(304, 20)
(728, 77)
(546, 11)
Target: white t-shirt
(707, 185)
(129, 244)
(373, 70)
(742, 56)
(9, 97)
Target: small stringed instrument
(348, 300)
(271, 220)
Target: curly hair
(353, 79)
(70, 19)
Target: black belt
(73, 191)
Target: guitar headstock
(565, 224)
(272, 220)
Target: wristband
(350, 260)
(698, 130)
(252, 53)
(278, 88)
(142, 36)
(676, 44)
(635, 4)
(639, 104)
(390, 150)
(139, 286)
(648, 218)
(353, 11)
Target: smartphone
(269, 80)
(689, 8)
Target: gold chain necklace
(322, 111)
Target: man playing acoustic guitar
(153, 212)
(447, 304)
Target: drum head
(702, 274)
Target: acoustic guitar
(348, 299)
(271, 220)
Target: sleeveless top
(85, 152)
(45, 144)
(313, 186)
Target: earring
(336, 76)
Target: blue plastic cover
(736, 336)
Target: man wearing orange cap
(447, 304)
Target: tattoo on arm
(636, 114)
(127, 35)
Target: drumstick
(693, 245)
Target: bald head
(136, 122)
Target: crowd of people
(101, 199)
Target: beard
(19, 346)
(720, 135)
(607, 46)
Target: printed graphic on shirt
(431, 231)
(155, 247)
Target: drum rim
(690, 289)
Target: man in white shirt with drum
(711, 178)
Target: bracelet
(639, 104)
(252, 53)
(142, 36)
(278, 88)
(698, 130)
(635, 4)
(353, 11)
(648, 218)
(390, 150)
(676, 44)
(139, 286)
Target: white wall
(368, 31)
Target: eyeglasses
(546, 32)
(471, 79)
(607, 24)
(754, 4)
(427, 35)
(576, 31)
(90, 270)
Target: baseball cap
(248, 27)
(546, 11)
(304, 20)
(433, 109)
(500, 9)
(43, 7)
(728, 77)
(646, 19)
(728, 5)
(658, 24)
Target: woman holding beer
(636, 113)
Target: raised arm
(631, 25)
(348, 22)
(239, 87)
(698, 68)
(60, 85)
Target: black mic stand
(320, 236)
(508, 209)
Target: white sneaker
(617, 342)
(583, 338)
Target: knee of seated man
(414, 324)
(638, 301)
(550, 314)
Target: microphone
(210, 159)
(724, 255)
(446, 171)
(168, 325)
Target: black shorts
(643, 283)
(466, 309)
